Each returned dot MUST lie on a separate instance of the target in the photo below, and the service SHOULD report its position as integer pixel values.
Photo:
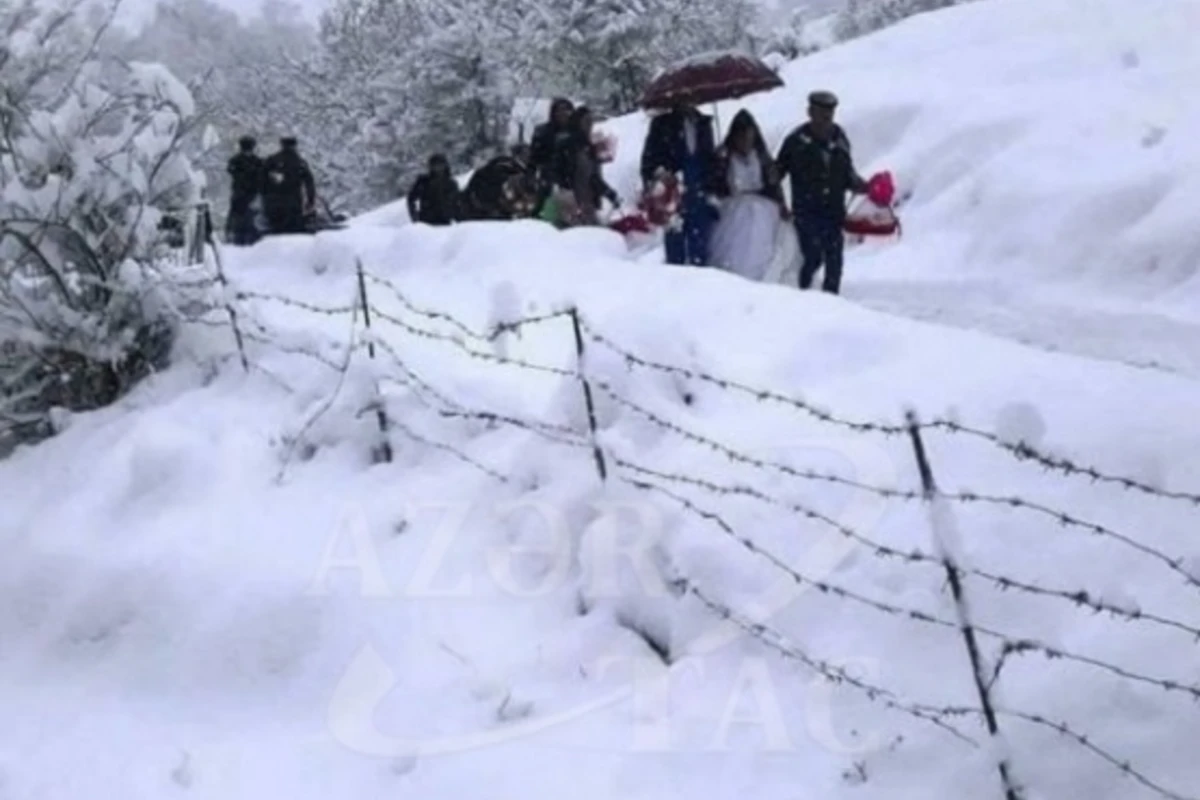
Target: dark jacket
(434, 200)
(246, 180)
(489, 192)
(821, 172)
(288, 181)
(666, 145)
(547, 139)
(772, 187)
(579, 171)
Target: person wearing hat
(246, 179)
(289, 189)
(816, 159)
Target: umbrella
(709, 78)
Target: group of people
(277, 194)
(730, 199)
(730, 194)
(556, 177)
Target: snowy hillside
(1050, 157)
(693, 562)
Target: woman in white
(752, 209)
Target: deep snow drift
(210, 588)
(211, 591)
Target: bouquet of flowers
(662, 201)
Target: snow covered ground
(211, 591)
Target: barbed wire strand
(408, 431)
(916, 555)
(1028, 645)
(326, 404)
(1024, 451)
(509, 326)
(1062, 518)
(811, 410)
(831, 672)
(1065, 730)
(477, 354)
(1021, 450)
(454, 408)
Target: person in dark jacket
(289, 189)
(816, 158)
(681, 142)
(547, 139)
(246, 178)
(435, 198)
(578, 174)
(496, 189)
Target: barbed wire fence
(382, 326)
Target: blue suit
(666, 148)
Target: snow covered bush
(89, 154)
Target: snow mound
(245, 600)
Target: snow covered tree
(605, 51)
(90, 153)
(240, 73)
(861, 17)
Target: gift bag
(867, 218)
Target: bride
(752, 208)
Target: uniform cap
(823, 99)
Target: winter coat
(666, 145)
(434, 200)
(547, 139)
(580, 174)
(246, 178)
(288, 182)
(821, 172)
(487, 195)
(770, 177)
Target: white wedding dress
(745, 238)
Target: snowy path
(1130, 337)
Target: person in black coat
(579, 175)
(289, 189)
(434, 198)
(816, 158)
(547, 139)
(682, 142)
(246, 178)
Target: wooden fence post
(597, 453)
(384, 451)
(943, 540)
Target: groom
(682, 142)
